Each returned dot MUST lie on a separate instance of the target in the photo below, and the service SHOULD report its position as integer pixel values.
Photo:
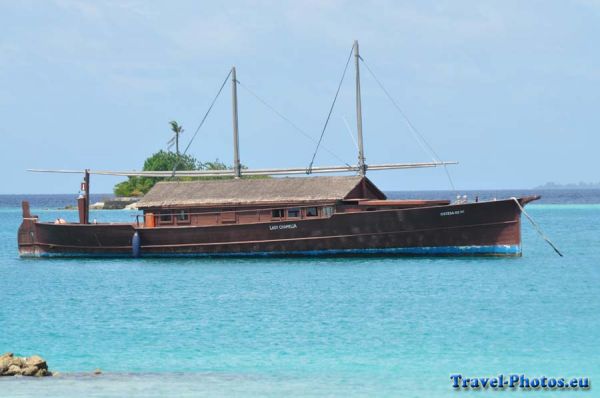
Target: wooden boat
(325, 215)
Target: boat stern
(26, 235)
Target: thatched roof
(255, 191)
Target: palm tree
(177, 130)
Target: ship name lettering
(452, 213)
(282, 226)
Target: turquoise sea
(396, 327)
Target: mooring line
(537, 227)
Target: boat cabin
(245, 201)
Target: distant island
(580, 185)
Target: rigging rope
(536, 226)
(416, 134)
(203, 120)
(350, 133)
(309, 169)
(304, 133)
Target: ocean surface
(381, 327)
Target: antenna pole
(236, 142)
(362, 167)
(86, 179)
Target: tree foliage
(166, 161)
(177, 130)
(160, 161)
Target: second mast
(362, 167)
(237, 169)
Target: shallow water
(304, 327)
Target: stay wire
(203, 120)
(418, 136)
(537, 227)
(286, 119)
(309, 169)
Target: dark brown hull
(484, 228)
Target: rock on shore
(11, 365)
(116, 204)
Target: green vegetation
(160, 161)
(166, 161)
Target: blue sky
(508, 88)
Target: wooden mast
(237, 169)
(362, 167)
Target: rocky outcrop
(97, 206)
(120, 203)
(11, 365)
(116, 204)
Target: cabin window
(165, 218)
(293, 213)
(228, 217)
(312, 212)
(327, 211)
(183, 217)
(277, 213)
